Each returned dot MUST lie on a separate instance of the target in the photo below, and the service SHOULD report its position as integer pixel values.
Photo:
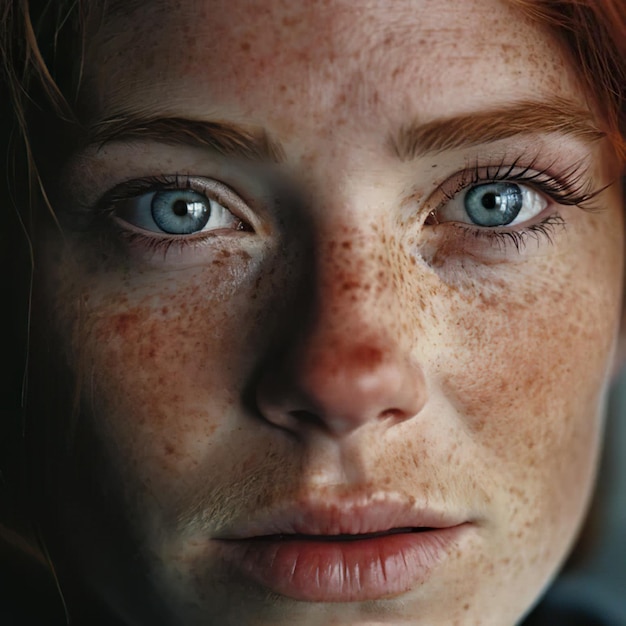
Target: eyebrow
(410, 142)
(228, 139)
(462, 131)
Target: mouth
(344, 551)
(339, 537)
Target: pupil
(180, 208)
(494, 204)
(489, 201)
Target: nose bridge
(356, 337)
(356, 284)
(359, 264)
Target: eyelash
(136, 187)
(568, 188)
(546, 229)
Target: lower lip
(342, 571)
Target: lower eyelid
(123, 225)
(542, 232)
(147, 250)
(152, 250)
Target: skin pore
(342, 331)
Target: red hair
(594, 33)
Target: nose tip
(341, 386)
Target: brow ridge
(412, 141)
(460, 131)
(223, 137)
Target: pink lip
(316, 552)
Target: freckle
(478, 425)
(245, 46)
(169, 449)
(124, 322)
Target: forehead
(286, 61)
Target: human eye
(494, 204)
(167, 209)
(509, 203)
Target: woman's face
(323, 273)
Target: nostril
(393, 414)
(327, 388)
(306, 417)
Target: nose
(351, 363)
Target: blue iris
(494, 204)
(180, 211)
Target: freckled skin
(435, 365)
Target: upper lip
(341, 516)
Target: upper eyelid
(210, 187)
(134, 187)
(571, 185)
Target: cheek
(536, 350)
(525, 364)
(161, 362)
(161, 382)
